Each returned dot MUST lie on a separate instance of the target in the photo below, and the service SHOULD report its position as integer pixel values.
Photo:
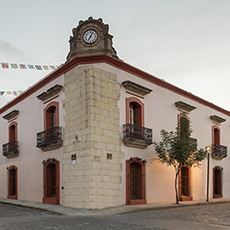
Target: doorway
(135, 181)
(51, 182)
(217, 182)
(12, 182)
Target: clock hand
(90, 35)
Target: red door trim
(46, 199)
(183, 197)
(220, 182)
(130, 201)
(9, 182)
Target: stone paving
(210, 217)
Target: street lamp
(209, 151)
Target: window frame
(130, 100)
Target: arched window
(134, 112)
(216, 136)
(184, 127)
(51, 117)
(13, 132)
(217, 182)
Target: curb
(32, 207)
(115, 211)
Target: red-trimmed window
(134, 111)
(51, 115)
(185, 172)
(183, 122)
(216, 135)
(13, 132)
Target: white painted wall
(161, 113)
(29, 162)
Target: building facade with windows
(83, 135)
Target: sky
(184, 42)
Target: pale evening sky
(184, 42)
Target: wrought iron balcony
(136, 136)
(219, 152)
(10, 150)
(49, 139)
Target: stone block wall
(92, 133)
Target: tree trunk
(176, 184)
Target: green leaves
(178, 148)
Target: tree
(179, 150)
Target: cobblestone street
(213, 216)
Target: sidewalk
(62, 210)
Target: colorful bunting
(38, 67)
(30, 66)
(14, 66)
(45, 67)
(52, 67)
(22, 66)
(9, 92)
(6, 65)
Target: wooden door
(51, 182)
(217, 182)
(135, 181)
(12, 182)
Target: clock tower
(91, 37)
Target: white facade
(30, 121)
(93, 163)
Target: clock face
(90, 36)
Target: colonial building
(83, 135)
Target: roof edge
(118, 64)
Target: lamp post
(209, 151)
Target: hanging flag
(52, 67)
(30, 66)
(14, 66)
(22, 66)
(45, 67)
(5, 65)
(38, 67)
(11, 92)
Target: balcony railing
(49, 139)
(10, 149)
(219, 151)
(136, 136)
